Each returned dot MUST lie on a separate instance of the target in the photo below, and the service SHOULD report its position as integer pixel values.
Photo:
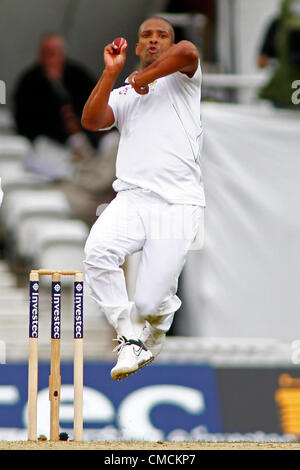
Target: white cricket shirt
(161, 138)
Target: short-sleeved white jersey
(161, 138)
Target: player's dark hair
(157, 17)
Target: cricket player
(160, 200)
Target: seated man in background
(48, 103)
(268, 53)
(282, 43)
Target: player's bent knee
(100, 256)
(147, 308)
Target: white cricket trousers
(139, 220)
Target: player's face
(155, 37)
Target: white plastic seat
(60, 246)
(10, 168)
(14, 147)
(25, 203)
(41, 234)
(60, 256)
(7, 124)
(28, 229)
(15, 177)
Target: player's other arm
(181, 57)
(97, 114)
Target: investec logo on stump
(56, 296)
(78, 292)
(34, 309)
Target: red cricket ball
(119, 42)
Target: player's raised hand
(115, 55)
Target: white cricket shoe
(153, 339)
(133, 355)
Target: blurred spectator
(268, 51)
(48, 102)
(283, 42)
(91, 185)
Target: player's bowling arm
(97, 114)
(180, 57)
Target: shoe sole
(124, 375)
